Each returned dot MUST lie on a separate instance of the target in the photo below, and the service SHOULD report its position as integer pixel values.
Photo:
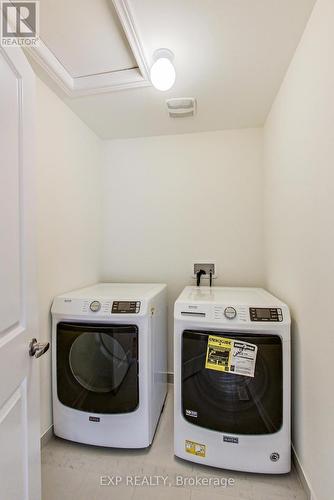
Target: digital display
(124, 306)
(263, 313)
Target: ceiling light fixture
(162, 72)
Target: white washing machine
(109, 344)
(232, 379)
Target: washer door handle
(36, 349)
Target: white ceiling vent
(181, 107)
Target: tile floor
(71, 471)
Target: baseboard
(45, 438)
(302, 476)
(170, 378)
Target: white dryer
(109, 344)
(238, 421)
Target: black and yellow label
(218, 353)
(194, 448)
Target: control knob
(230, 313)
(95, 306)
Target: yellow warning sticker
(218, 353)
(197, 449)
(231, 355)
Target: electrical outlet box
(207, 267)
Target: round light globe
(162, 74)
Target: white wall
(170, 200)
(68, 214)
(299, 208)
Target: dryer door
(227, 402)
(97, 367)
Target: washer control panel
(265, 314)
(125, 307)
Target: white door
(19, 377)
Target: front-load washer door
(227, 402)
(97, 367)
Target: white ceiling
(231, 55)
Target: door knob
(36, 349)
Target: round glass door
(98, 362)
(227, 402)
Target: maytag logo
(94, 419)
(191, 413)
(230, 439)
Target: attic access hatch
(89, 47)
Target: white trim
(302, 476)
(124, 13)
(108, 82)
(50, 64)
(104, 82)
(46, 437)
